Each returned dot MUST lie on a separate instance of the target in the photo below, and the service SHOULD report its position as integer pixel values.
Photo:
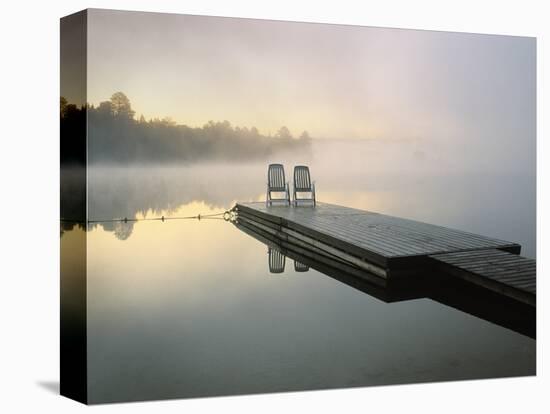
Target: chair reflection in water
(300, 267)
(277, 261)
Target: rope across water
(228, 215)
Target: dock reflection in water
(447, 290)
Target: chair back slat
(276, 177)
(302, 179)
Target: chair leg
(288, 194)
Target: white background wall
(29, 232)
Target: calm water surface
(189, 308)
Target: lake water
(188, 308)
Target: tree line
(116, 136)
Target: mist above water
(398, 178)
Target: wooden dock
(384, 249)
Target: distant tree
(168, 121)
(121, 105)
(72, 111)
(305, 135)
(284, 132)
(63, 106)
(105, 108)
(117, 136)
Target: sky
(335, 81)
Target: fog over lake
(395, 178)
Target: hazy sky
(335, 81)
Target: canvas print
(254, 206)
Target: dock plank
(385, 235)
(494, 269)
